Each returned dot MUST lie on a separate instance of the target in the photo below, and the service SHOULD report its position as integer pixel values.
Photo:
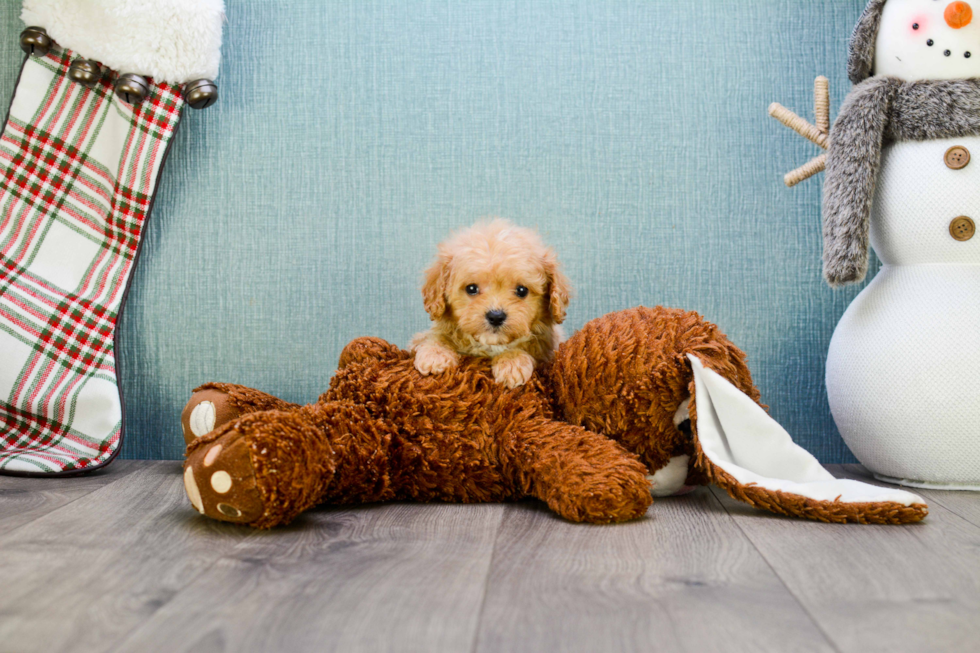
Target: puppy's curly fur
(494, 291)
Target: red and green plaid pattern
(78, 169)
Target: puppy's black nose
(496, 317)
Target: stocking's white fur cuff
(173, 41)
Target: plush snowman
(903, 175)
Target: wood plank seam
(932, 495)
(935, 496)
(200, 578)
(508, 510)
(138, 467)
(799, 602)
(55, 509)
(241, 551)
(938, 497)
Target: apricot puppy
(495, 290)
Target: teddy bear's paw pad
(201, 421)
(212, 455)
(190, 486)
(206, 410)
(220, 482)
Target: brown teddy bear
(620, 402)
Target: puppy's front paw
(513, 370)
(433, 359)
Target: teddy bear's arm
(581, 475)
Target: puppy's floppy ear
(559, 288)
(435, 285)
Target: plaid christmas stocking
(80, 156)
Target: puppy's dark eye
(521, 292)
(472, 289)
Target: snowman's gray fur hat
(861, 55)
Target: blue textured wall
(351, 136)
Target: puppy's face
(497, 282)
(496, 302)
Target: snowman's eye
(930, 43)
(915, 26)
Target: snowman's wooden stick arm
(818, 134)
(813, 167)
(811, 132)
(821, 103)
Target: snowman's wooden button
(957, 157)
(962, 228)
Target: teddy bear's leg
(266, 467)
(214, 404)
(581, 475)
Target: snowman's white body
(903, 370)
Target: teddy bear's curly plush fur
(582, 435)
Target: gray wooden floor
(119, 561)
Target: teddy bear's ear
(435, 285)
(742, 450)
(559, 288)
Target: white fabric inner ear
(738, 436)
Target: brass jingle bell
(85, 72)
(132, 88)
(35, 40)
(201, 93)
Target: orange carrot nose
(958, 14)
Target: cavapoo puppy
(495, 291)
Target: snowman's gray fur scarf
(880, 110)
